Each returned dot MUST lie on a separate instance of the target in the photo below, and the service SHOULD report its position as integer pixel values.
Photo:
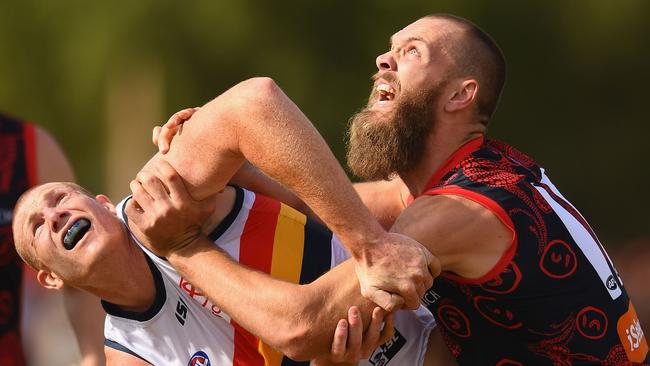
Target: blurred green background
(98, 75)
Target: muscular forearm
(251, 178)
(298, 320)
(255, 120)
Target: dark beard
(381, 145)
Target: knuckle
(148, 178)
(407, 288)
(170, 175)
(165, 211)
(164, 174)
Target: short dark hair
(476, 54)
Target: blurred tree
(574, 98)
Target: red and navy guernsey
(17, 174)
(554, 298)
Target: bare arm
(466, 237)
(119, 358)
(255, 180)
(385, 199)
(255, 120)
(83, 309)
(298, 320)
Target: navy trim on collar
(159, 300)
(230, 218)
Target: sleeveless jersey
(185, 327)
(555, 297)
(17, 174)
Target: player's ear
(463, 96)
(106, 202)
(49, 280)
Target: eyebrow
(29, 226)
(391, 40)
(31, 218)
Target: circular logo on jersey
(611, 283)
(454, 320)
(199, 359)
(558, 260)
(496, 313)
(591, 322)
(506, 282)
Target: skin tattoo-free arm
(256, 121)
(299, 320)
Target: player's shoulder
(443, 209)
(453, 227)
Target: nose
(386, 62)
(55, 218)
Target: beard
(382, 144)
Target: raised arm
(255, 120)
(298, 320)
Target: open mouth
(386, 92)
(74, 234)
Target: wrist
(186, 244)
(364, 245)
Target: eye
(59, 198)
(37, 226)
(413, 51)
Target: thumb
(434, 265)
(134, 212)
(156, 133)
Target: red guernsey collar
(455, 158)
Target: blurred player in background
(29, 156)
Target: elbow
(258, 90)
(259, 96)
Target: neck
(131, 285)
(441, 144)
